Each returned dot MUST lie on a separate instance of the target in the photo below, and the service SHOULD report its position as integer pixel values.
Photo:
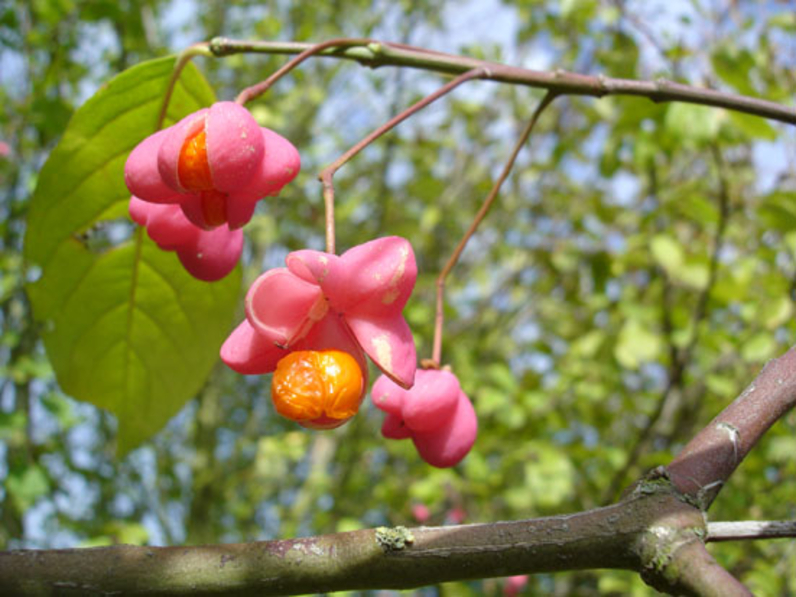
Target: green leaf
(12, 428)
(690, 123)
(667, 253)
(126, 327)
(582, 9)
(778, 211)
(636, 344)
(759, 347)
(732, 66)
(694, 205)
(753, 126)
(586, 346)
(782, 449)
(27, 486)
(785, 20)
(776, 312)
(118, 532)
(722, 386)
(549, 477)
(349, 524)
(503, 377)
(621, 56)
(694, 274)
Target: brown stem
(328, 173)
(490, 199)
(183, 58)
(377, 54)
(257, 90)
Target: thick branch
(708, 460)
(620, 536)
(559, 82)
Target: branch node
(661, 85)
(655, 481)
(602, 83)
(707, 494)
(217, 45)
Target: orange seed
(323, 387)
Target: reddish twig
(328, 173)
(257, 90)
(490, 199)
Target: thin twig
(183, 58)
(490, 199)
(751, 529)
(257, 90)
(328, 173)
(377, 54)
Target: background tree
(636, 274)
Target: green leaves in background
(777, 211)
(690, 124)
(125, 327)
(671, 256)
(636, 344)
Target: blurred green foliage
(636, 273)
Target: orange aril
(214, 207)
(193, 169)
(317, 388)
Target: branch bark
(658, 530)
(560, 82)
(693, 571)
(626, 536)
